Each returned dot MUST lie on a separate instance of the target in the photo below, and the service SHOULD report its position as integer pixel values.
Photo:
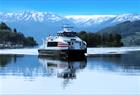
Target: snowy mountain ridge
(41, 24)
(45, 16)
(29, 16)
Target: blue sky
(72, 7)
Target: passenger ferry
(65, 44)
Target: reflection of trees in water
(117, 62)
(5, 59)
(18, 65)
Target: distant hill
(10, 38)
(130, 31)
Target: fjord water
(108, 74)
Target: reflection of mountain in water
(33, 66)
(117, 63)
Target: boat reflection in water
(63, 68)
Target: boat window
(52, 44)
(80, 43)
(67, 34)
(69, 43)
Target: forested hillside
(130, 32)
(11, 38)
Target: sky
(72, 7)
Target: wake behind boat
(65, 44)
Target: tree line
(101, 39)
(8, 35)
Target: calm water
(98, 75)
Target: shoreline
(90, 51)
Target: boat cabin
(66, 42)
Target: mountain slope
(130, 31)
(42, 24)
(98, 22)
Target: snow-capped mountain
(29, 16)
(76, 19)
(41, 24)
(89, 20)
